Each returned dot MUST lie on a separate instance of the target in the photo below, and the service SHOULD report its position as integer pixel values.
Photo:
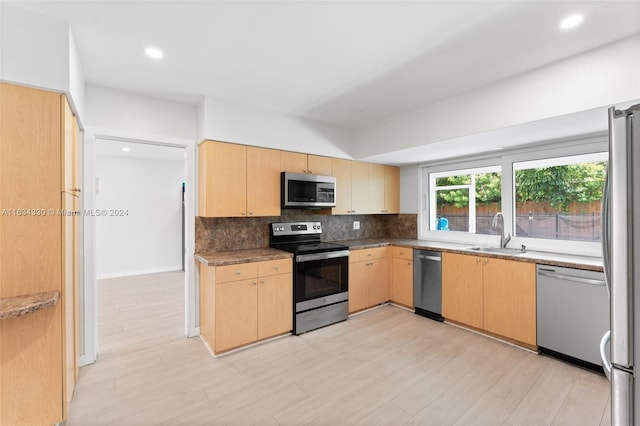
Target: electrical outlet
(356, 224)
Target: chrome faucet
(503, 240)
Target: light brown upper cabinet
(376, 188)
(384, 189)
(365, 188)
(238, 181)
(263, 182)
(341, 169)
(297, 162)
(391, 189)
(359, 188)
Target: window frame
(472, 194)
(568, 147)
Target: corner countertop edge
(18, 306)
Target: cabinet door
(263, 182)
(379, 281)
(376, 188)
(341, 169)
(236, 314)
(294, 162)
(402, 282)
(275, 305)
(319, 165)
(510, 299)
(222, 179)
(391, 189)
(31, 348)
(207, 303)
(359, 187)
(462, 289)
(358, 286)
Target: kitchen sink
(500, 250)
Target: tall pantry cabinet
(39, 234)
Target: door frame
(89, 315)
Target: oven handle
(322, 256)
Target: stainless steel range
(321, 274)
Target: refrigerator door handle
(606, 364)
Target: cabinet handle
(477, 260)
(310, 172)
(253, 282)
(368, 254)
(237, 272)
(486, 261)
(261, 281)
(244, 213)
(251, 212)
(401, 252)
(409, 263)
(76, 190)
(277, 267)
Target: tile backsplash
(238, 233)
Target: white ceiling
(345, 63)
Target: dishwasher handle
(551, 274)
(434, 258)
(606, 364)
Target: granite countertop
(541, 257)
(17, 306)
(221, 258)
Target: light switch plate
(356, 224)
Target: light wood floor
(385, 366)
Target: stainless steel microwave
(307, 191)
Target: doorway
(139, 240)
(97, 204)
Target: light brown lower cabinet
(402, 278)
(369, 278)
(244, 303)
(491, 294)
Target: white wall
(149, 238)
(603, 76)
(409, 189)
(39, 51)
(224, 121)
(136, 114)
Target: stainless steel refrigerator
(621, 252)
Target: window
(559, 198)
(465, 200)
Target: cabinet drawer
(240, 271)
(274, 267)
(402, 253)
(369, 254)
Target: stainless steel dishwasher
(572, 313)
(427, 283)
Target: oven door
(321, 279)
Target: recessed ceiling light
(154, 52)
(126, 149)
(570, 22)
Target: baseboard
(85, 360)
(140, 272)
